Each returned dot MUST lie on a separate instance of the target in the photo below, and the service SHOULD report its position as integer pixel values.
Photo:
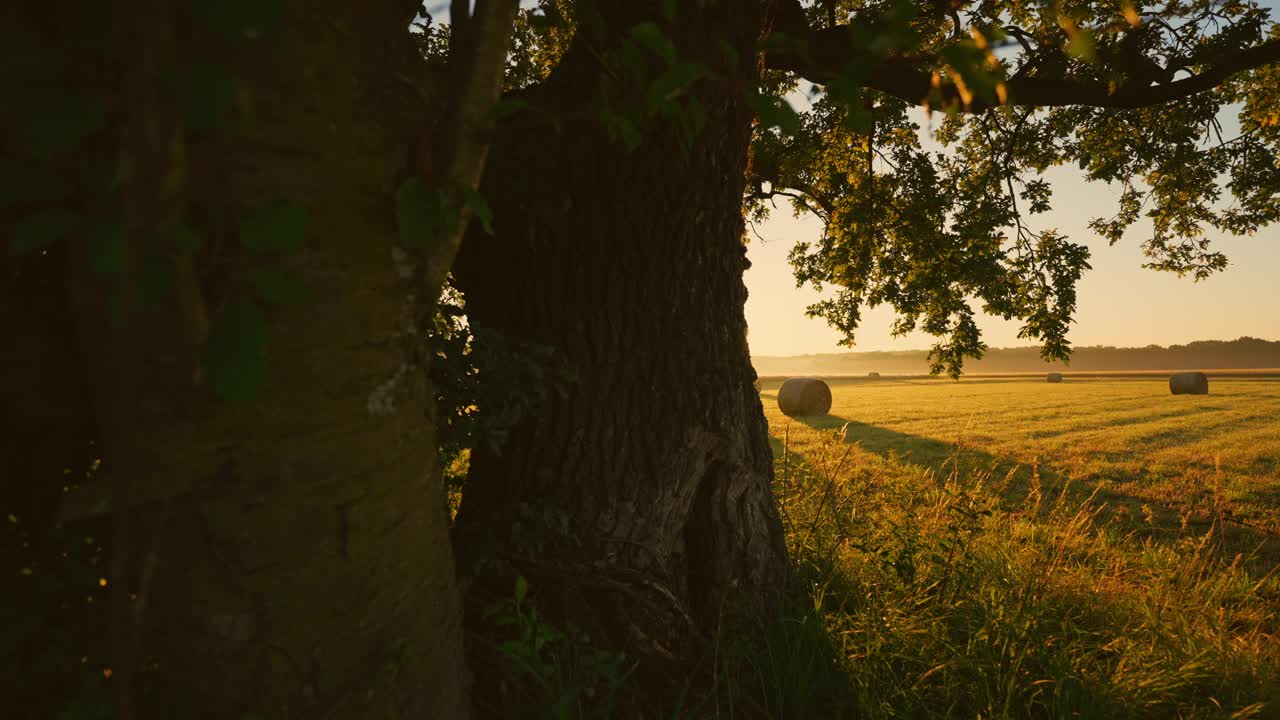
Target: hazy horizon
(1232, 356)
(1023, 345)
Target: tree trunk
(630, 264)
(287, 557)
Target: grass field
(1003, 547)
(1124, 430)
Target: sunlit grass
(1146, 444)
(1017, 549)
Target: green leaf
(858, 118)
(421, 213)
(480, 208)
(277, 286)
(274, 227)
(972, 67)
(235, 358)
(846, 87)
(620, 128)
(522, 589)
(696, 115)
(1082, 45)
(729, 52)
(672, 80)
(632, 63)
(774, 112)
(40, 231)
(652, 38)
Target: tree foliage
(1134, 95)
(484, 381)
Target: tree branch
(826, 53)
(811, 203)
(489, 38)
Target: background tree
(627, 254)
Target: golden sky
(1120, 303)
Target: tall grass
(933, 596)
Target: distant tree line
(1241, 353)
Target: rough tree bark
(630, 264)
(287, 557)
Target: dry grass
(1012, 548)
(1129, 433)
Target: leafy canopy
(1132, 94)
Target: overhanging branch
(824, 55)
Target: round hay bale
(803, 397)
(1053, 377)
(873, 374)
(1189, 383)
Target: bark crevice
(700, 543)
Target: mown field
(1003, 547)
(1126, 431)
